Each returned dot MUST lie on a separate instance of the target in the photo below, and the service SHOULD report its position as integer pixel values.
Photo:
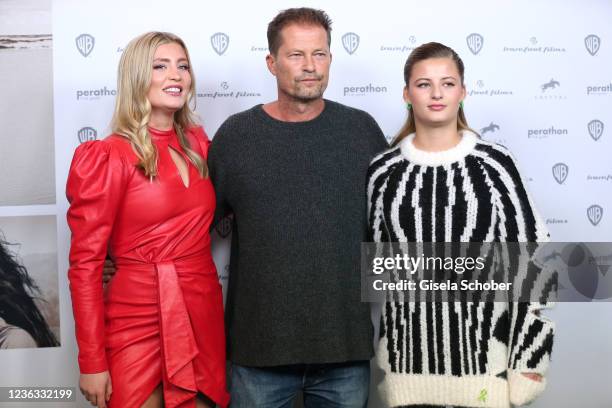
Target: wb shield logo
(85, 44)
(592, 43)
(596, 128)
(350, 42)
(595, 214)
(475, 42)
(560, 171)
(219, 42)
(87, 134)
(224, 227)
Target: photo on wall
(27, 156)
(29, 301)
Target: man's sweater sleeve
(217, 167)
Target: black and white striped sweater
(462, 354)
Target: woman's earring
(408, 106)
(461, 105)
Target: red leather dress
(160, 319)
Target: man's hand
(96, 388)
(109, 271)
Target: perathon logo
(219, 42)
(595, 214)
(363, 90)
(94, 94)
(560, 172)
(534, 47)
(545, 133)
(350, 42)
(85, 44)
(87, 134)
(599, 90)
(401, 48)
(475, 42)
(592, 43)
(225, 91)
(480, 89)
(596, 129)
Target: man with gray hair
(293, 173)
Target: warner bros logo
(224, 227)
(560, 171)
(87, 134)
(592, 43)
(85, 44)
(475, 42)
(219, 42)
(350, 42)
(595, 214)
(596, 128)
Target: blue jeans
(343, 385)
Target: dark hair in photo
(302, 16)
(17, 295)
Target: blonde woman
(155, 336)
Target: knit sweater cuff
(540, 345)
(523, 390)
(484, 391)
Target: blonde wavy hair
(133, 109)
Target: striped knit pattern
(452, 353)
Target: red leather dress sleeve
(200, 136)
(95, 187)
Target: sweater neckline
(263, 115)
(454, 154)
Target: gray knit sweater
(297, 192)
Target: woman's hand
(533, 376)
(96, 388)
